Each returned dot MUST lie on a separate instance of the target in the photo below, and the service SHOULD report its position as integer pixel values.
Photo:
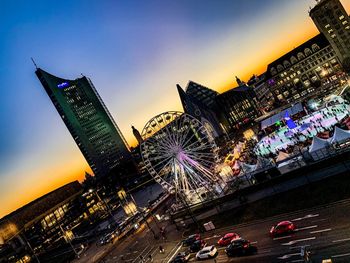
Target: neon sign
(63, 85)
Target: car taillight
(290, 226)
(245, 246)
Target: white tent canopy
(281, 156)
(318, 144)
(263, 162)
(340, 135)
(247, 168)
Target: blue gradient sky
(135, 52)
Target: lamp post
(142, 211)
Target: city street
(325, 231)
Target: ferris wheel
(181, 155)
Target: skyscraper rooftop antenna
(36, 66)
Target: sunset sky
(135, 52)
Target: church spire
(137, 135)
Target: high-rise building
(88, 120)
(333, 21)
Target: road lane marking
(215, 236)
(297, 241)
(341, 240)
(341, 255)
(319, 220)
(263, 251)
(321, 230)
(177, 250)
(307, 227)
(298, 247)
(278, 238)
(254, 242)
(289, 255)
(306, 217)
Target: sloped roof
(282, 156)
(319, 39)
(318, 144)
(42, 205)
(340, 135)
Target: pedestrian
(161, 249)
(150, 258)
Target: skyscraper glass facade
(88, 120)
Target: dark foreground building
(89, 122)
(39, 225)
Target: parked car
(182, 257)
(282, 228)
(240, 247)
(197, 245)
(226, 239)
(190, 239)
(207, 252)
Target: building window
(307, 51)
(280, 68)
(341, 17)
(300, 56)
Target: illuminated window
(333, 36)
(327, 26)
(341, 17)
(344, 22)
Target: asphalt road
(325, 231)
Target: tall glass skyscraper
(88, 120)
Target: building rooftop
(297, 53)
(41, 205)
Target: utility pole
(67, 238)
(30, 247)
(143, 217)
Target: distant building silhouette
(137, 135)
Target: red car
(282, 228)
(226, 239)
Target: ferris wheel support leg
(193, 217)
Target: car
(282, 228)
(108, 238)
(197, 245)
(226, 239)
(190, 239)
(240, 247)
(207, 252)
(182, 257)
